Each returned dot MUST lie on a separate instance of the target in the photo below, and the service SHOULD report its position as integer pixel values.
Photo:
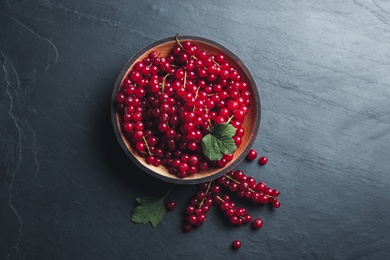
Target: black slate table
(322, 67)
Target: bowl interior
(250, 125)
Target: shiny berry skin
(170, 205)
(263, 160)
(247, 218)
(190, 210)
(275, 193)
(257, 223)
(276, 204)
(252, 154)
(236, 244)
(192, 219)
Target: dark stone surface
(67, 189)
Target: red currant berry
(240, 212)
(276, 204)
(183, 167)
(128, 126)
(187, 228)
(257, 223)
(263, 160)
(234, 220)
(140, 146)
(190, 210)
(201, 218)
(236, 244)
(192, 219)
(215, 188)
(247, 218)
(170, 205)
(275, 193)
(252, 154)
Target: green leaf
(219, 141)
(151, 210)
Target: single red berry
(201, 218)
(187, 228)
(190, 209)
(192, 219)
(252, 154)
(234, 220)
(247, 218)
(170, 205)
(257, 223)
(276, 204)
(263, 160)
(275, 193)
(236, 244)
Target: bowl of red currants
(185, 109)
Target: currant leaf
(219, 141)
(151, 210)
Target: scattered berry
(170, 205)
(257, 223)
(263, 160)
(252, 154)
(236, 244)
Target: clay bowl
(251, 123)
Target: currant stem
(236, 181)
(185, 79)
(210, 126)
(163, 83)
(147, 146)
(232, 179)
(177, 41)
(230, 118)
(218, 197)
(216, 63)
(196, 95)
(207, 191)
(197, 92)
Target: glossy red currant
(236, 244)
(170, 205)
(263, 160)
(252, 154)
(257, 223)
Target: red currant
(257, 223)
(170, 205)
(263, 160)
(252, 154)
(236, 244)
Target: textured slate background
(67, 189)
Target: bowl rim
(119, 137)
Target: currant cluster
(236, 216)
(238, 184)
(246, 187)
(168, 104)
(199, 207)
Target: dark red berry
(236, 244)
(170, 205)
(257, 223)
(263, 160)
(252, 154)
(187, 228)
(276, 204)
